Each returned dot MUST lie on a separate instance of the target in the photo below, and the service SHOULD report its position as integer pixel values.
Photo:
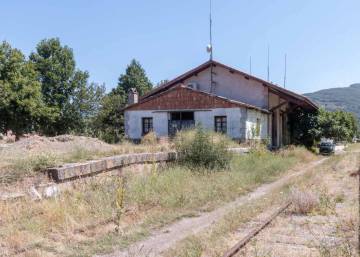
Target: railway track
(238, 246)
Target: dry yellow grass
(28, 156)
(322, 201)
(151, 200)
(303, 201)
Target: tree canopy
(55, 66)
(309, 127)
(21, 102)
(109, 122)
(134, 77)
(46, 93)
(339, 124)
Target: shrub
(326, 204)
(149, 139)
(199, 149)
(303, 202)
(301, 153)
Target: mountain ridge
(344, 98)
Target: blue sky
(321, 37)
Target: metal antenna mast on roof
(268, 64)
(285, 72)
(250, 65)
(210, 45)
(210, 49)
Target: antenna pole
(250, 66)
(211, 46)
(285, 72)
(268, 63)
(211, 52)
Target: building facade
(218, 98)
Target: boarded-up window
(220, 124)
(147, 125)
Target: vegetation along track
(164, 239)
(235, 249)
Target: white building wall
(239, 122)
(234, 118)
(133, 123)
(233, 86)
(252, 117)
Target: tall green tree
(109, 122)
(86, 105)
(309, 127)
(304, 127)
(21, 103)
(134, 77)
(339, 125)
(60, 84)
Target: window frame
(149, 123)
(222, 120)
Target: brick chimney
(133, 96)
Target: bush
(199, 149)
(303, 201)
(149, 139)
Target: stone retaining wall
(78, 170)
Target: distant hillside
(346, 98)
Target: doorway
(180, 121)
(274, 130)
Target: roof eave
(205, 65)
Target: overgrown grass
(151, 200)
(202, 149)
(303, 201)
(15, 166)
(215, 241)
(181, 187)
(353, 147)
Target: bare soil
(57, 145)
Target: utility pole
(250, 66)
(210, 49)
(285, 73)
(211, 45)
(268, 63)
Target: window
(182, 116)
(257, 131)
(220, 124)
(147, 125)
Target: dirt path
(331, 233)
(162, 240)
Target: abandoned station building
(220, 98)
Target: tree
(134, 77)
(162, 82)
(86, 104)
(61, 84)
(109, 122)
(339, 125)
(21, 103)
(56, 66)
(304, 127)
(309, 127)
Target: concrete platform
(77, 170)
